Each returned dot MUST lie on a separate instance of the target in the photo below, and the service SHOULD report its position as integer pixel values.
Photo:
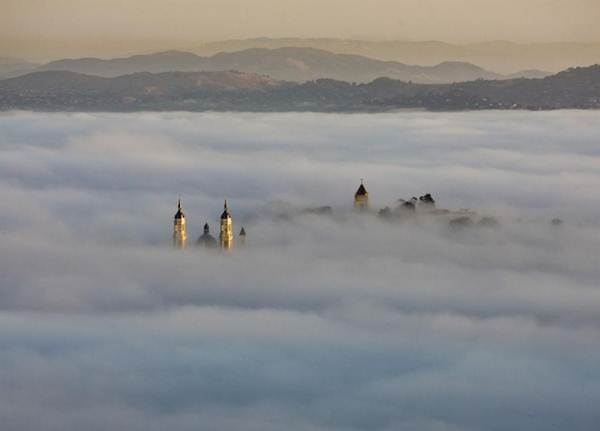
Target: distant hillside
(140, 83)
(168, 61)
(288, 64)
(499, 56)
(577, 88)
(305, 64)
(10, 67)
(62, 90)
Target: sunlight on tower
(226, 235)
(179, 232)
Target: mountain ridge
(504, 57)
(287, 63)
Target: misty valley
(343, 308)
(299, 215)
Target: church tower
(361, 198)
(226, 236)
(242, 236)
(207, 240)
(179, 233)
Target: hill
(62, 90)
(499, 56)
(577, 88)
(288, 64)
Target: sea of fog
(321, 322)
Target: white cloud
(320, 323)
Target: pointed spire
(179, 213)
(225, 211)
(226, 234)
(179, 233)
(206, 228)
(361, 197)
(242, 236)
(362, 191)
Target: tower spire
(242, 236)
(226, 234)
(361, 197)
(179, 228)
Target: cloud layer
(321, 322)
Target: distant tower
(179, 233)
(243, 236)
(207, 239)
(361, 197)
(226, 236)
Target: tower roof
(179, 214)
(243, 232)
(207, 240)
(225, 212)
(362, 191)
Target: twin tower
(207, 240)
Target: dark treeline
(577, 88)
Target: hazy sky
(65, 27)
(320, 323)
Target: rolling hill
(288, 64)
(500, 56)
(577, 88)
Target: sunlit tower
(226, 235)
(179, 233)
(361, 197)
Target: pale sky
(63, 27)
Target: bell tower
(361, 197)
(179, 231)
(226, 235)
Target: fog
(320, 322)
